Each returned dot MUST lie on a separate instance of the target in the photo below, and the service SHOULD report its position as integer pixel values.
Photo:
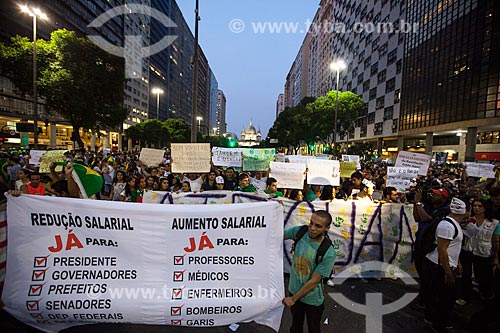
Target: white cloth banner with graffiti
(72, 262)
(361, 231)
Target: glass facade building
(451, 68)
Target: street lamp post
(199, 122)
(195, 73)
(157, 92)
(34, 12)
(337, 66)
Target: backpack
(427, 241)
(322, 249)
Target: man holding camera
(424, 215)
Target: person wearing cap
(424, 215)
(219, 183)
(442, 266)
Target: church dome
(251, 129)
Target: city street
(339, 319)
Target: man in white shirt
(442, 265)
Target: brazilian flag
(89, 181)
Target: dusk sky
(250, 67)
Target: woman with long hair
(164, 184)
(118, 186)
(480, 252)
(126, 194)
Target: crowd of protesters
(467, 246)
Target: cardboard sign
(400, 178)
(151, 157)
(228, 157)
(51, 156)
(190, 157)
(414, 160)
(257, 159)
(348, 168)
(323, 172)
(288, 175)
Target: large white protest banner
(228, 157)
(414, 160)
(73, 261)
(361, 231)
(480, 170)
(190, 157)
(400, 178)
(323, 172)
(151, 157)
(288, 175)
(35, 156)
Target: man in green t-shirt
(245, 185)
(305, 286)
(272, 187)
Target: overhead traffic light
(232, 143)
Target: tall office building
(171, 70)
(451, 79)
(427, 71)
(221, 113)
(280, 104)
(75, 15)
(136, 98)
(213, 100)
(374, 62)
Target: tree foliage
(178, 129)
(157, 134)
(77, 79)
(313, 120)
